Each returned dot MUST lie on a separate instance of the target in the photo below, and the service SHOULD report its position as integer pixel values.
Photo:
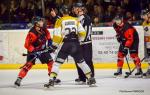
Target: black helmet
(64, 9)
(145, 11)
(78, 4)
(118, 17)
(36, 20)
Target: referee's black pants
(87, 55)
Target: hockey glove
(38, 54)
(49, 42)
(125, 51)
(119, 39)
(52, 48)
(146, 28)
(33, 53)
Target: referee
(85, 20)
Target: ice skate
(57, 81)
(80, 82)
(146, 74)
(50, 83)
(18, 82)
(118, 73)
(91, 82)
(139, 73)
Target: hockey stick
(129, 73)
(128, 64)
(38, 52)
(127, 61)
(35, 55)
(29, 61)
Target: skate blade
(80, 83)
(16, 86)
(119, 76)
(138, 76)
(93, 85)
(49, 88)
(126, 76)
(145, 77)
(57, 83)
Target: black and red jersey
(36, 40)
(127, 33)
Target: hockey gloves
(125, 50)
(119, 39)
(146, 29)
(52, 48)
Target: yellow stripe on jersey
(146, 23)
(57, 23)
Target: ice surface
(33, 83)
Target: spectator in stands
(68, 2)
(120, 10)
(30, 11)
(48, 18)
(126, 5)
(22, 12)
(98, 12)
(38, 8)
(12, 11)
(89, 5)
(4, 13)
(129, 16)
(115, 2)
(59, 3)
(50, 3)
(109, 14)
(96, 22)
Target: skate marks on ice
(106, 74)
(67, 84)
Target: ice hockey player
(86, 44)
(67, 34)
(146, 25)
(36, 41)
(128, 38)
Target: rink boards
(105, 48)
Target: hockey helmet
(38, 21)
(64, 9)
(118, 19)
(78, 4)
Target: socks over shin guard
(84, 67)
(49, 65)
(25, 70)
(55, 69)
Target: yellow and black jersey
(146, 27)
(67, 25)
